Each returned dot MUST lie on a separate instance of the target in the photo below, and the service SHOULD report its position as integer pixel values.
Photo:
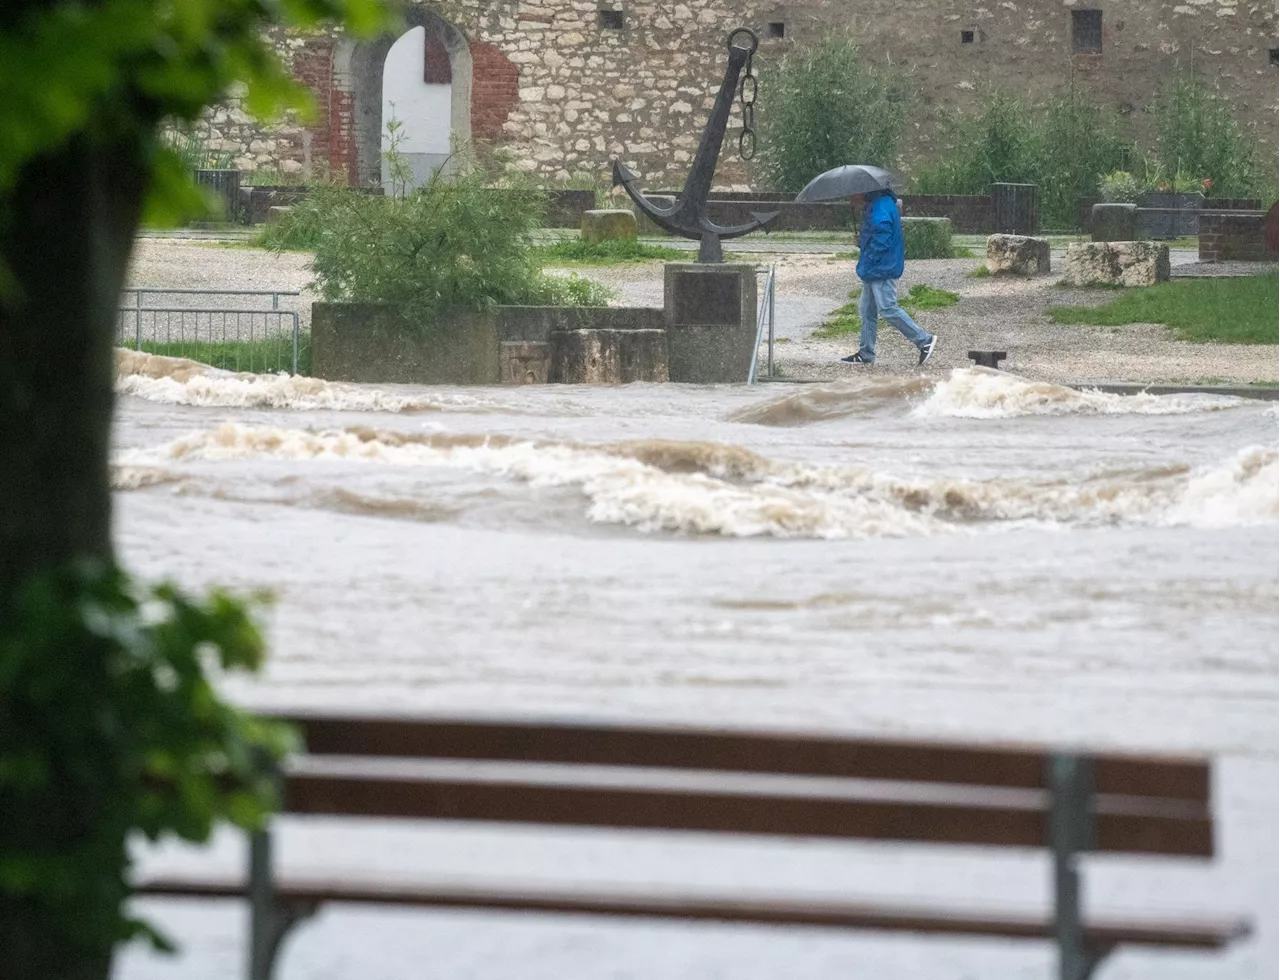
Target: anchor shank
(698, 184)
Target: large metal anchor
(688, 216)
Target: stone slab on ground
(603, 226)
(608, 357)
(1017, 255)
(1116, 264)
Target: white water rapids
(985, 557)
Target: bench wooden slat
(779, 753)
(858, 814)
(1101, 934)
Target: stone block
(1017, 255)
(1116, 264)
(278, 212)
(524, 362)
(605, 356)
(601, 226)
(711, 321)
(1113, 222)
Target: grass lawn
(258, 356)
(1229, 310)
(846, 320)
(617, 251)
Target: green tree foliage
(456, 242)
(1000, 142)
(1198, 139)
(828, 105)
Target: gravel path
(993, 313)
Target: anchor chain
(748, 88)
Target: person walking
(880, 260)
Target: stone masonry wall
(565, 92)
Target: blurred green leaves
(110, 725)
(116, 68)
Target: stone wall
(1234, 237)
(565, 91)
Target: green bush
(1062, 147)
(456, 242)
(1119, 187)
(927, 238)
(1198, 139)
(1082, 139)
(825, 106)
(999, 142)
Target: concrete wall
(381, 343)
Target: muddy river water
(981, 557)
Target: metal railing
(189, 323)
(766, 314)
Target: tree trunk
(68, 228)
(71, 223)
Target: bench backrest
(803, 785)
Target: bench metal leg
(269, 919)
(1071, 833)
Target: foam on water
(716, 489)
(983, 393)
(178, 381)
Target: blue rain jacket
(881, 252)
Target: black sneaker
(856, 359)
(926, 351)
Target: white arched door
(417, 91)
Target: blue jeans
(880, 299)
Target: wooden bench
(549, 774)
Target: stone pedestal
(1113, 222)
(603, 226)
(1017, 255)
(711, 321)
(605, 356)
(1116, 264)
(524, 362)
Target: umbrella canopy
(846, 181)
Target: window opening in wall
(1274, 56)
(777, 29)
(611, 20)
(966, 37)
(1086, 31)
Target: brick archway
(357, 73)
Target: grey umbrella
(846, 181)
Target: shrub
(999, 142)
(1119, 187)
(454, 243)
(1198, 139)
(927, 238)
(1062, 147)
(826, 106)
(1082, 139)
